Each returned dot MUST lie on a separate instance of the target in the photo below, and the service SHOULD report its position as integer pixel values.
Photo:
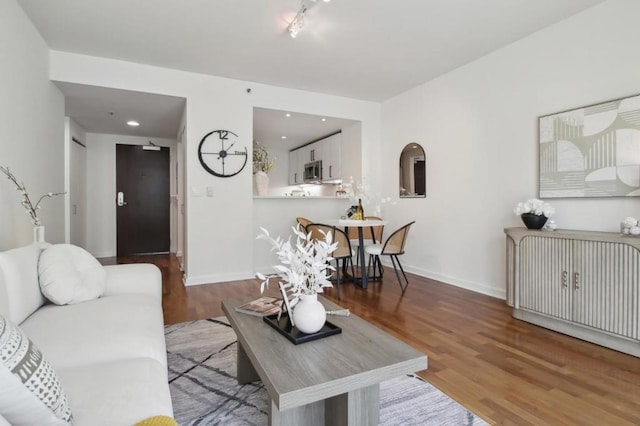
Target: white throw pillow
(30, 391)
(69, 274)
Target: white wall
(352, 147)
(75, 184)
(278, 216)
(32, 123)
(220, 228)
(101, 188)
(478, 125)
(180, 190)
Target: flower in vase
(31, 209)
(261, 161)
(373, 202)
(304, 267)
(536, 207)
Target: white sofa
(109, 353)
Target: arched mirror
(413, 173)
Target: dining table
(361, 225)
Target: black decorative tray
(296, 336)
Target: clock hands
(227, 153)
(224, 152)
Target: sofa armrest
(3, 421)
(134, 278)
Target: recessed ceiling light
(283, 137)
(133, 123)
(287, 115)
(323, 119)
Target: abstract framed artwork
(593, 151)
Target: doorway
(420, 177)
(142, 199)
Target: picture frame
(591, 151)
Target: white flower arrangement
(361, 190)
(630, 226)
(32, 210)
(305, 267)
(534, 206)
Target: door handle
(120, 199)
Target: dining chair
(369, 236)
(303, 221)
(392, 247)
(342, 252)
(316, 230)
(377, 233)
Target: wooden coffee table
(331, 381)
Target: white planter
(38, 234)
(309, 315)
(261, 183)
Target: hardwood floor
(505, 370)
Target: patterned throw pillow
(30, 391)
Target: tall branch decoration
(32, 209)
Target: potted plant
(262, 165)
(534, 213)
(32, 209)
(304, 272)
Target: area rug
(204, 389)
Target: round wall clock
(217, 156)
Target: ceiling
(105, 110)
(364, 49)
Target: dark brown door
(420, 177)
(142, 200)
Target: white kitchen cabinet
(295, 173)
(331, 158)
(585, 284)
(307, 153)
(327, 150)
(316, 150)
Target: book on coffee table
(261, 307)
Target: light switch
(209, 191)
(196, 191)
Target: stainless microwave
(313, 172)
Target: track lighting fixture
(298, 22)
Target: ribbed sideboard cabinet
(585, 284)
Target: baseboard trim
(99, 255)
(218, 278)
(468, 285)
(457, 282)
